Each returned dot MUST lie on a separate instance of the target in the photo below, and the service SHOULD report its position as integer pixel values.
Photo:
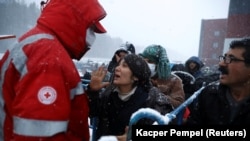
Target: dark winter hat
(129, 47)
(196, 60)
(122, 49)
(139, 67)
(158, 55)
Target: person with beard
(41, 94)
(132, 91)
(227, 101)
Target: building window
(217, 33)
(215, 45)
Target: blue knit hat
(158, 55)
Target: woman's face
(123, 75)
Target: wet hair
(140, 69)
(244, 44)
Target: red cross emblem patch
(47, 95)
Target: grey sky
(174, 24)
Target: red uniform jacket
(41, 96)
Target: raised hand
(97, 76)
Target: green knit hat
(158, 55)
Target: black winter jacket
(212, 107)
(114, 114)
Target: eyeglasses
(229, 59)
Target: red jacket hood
(69, 21)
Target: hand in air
(97, 76)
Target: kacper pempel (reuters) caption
(163, 132)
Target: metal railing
(156, 116)
(153, 114)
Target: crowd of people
(42, 97)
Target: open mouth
(117, 76)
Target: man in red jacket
(41, 96)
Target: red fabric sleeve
(78, 125)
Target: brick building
(216, 34)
